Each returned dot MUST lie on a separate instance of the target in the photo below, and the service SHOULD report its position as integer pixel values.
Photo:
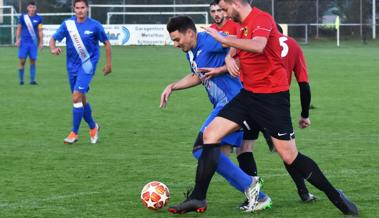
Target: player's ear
(190, 32)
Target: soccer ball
(155, 195)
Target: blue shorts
(234, 139)
(80, 81)
(28, 49)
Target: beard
(219, 20)
(235, 16)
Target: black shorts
(270, 112)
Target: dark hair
(213, 3)
(31, 3)
(230, 1)
(85, 2)
(180, 23)
(279, 28)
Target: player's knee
(211, 137)
(289, 157)
(77, 97)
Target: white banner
(124, 34)
(48, 32)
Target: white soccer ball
(155, 195)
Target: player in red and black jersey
(294, 62)
(264, 101)
(220, 22)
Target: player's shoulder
(205, 39)
(292, 42)
(94, 22)
(231, 23)
(22, 16)
(261, 15)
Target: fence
(307, 19)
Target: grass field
(42, 177)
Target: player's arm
(18, 35)
(231, 64)
(186, 82)
(59, 35)
(301, 74)
(305, 99)
(108, 53)
(256, 45)
(53, 47)
(40, 35)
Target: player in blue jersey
(29, 38)
(82, 45)
(204, 52)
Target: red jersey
(293, 59)
(229, 28)
(262, 73)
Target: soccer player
(294, 62)
(29, 37)
(264, 101)
(203, 51)
(82, 43)
(244, 153)
(220, 22)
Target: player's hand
(107, 69)
(165, 95)
(40, 46)
(18, 43)
(56, 51)
(304, 122)
(215, 34)
(233, 66)
(209, 72)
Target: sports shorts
(80, 81)
(28, 49)
(270, 112)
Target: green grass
(42, 177)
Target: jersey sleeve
(60, 33)
(263, 26)
(101, 35)
(40, 23)
(300, 68)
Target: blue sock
(21, 74)
(232, 173)
(88, 116)
(77, 115)
(32, 72)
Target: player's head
(81, 8)
(279, 28)
(217, 13)
(31, 8)
(183, 32)
(232, 8)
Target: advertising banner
(124, 34)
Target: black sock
(247, 163)
(312, 173)
(206, 168)
(298, 180)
